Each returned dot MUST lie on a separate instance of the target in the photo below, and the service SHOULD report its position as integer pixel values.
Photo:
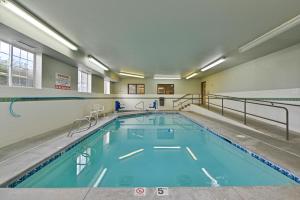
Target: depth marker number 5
(162, 191)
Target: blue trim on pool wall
(31, 172)
(17, 181)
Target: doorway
(203, 93)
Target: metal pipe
(257, 103)
(245, 111)
(250, 114)
(192, 98)
(287, 124)
(208, 102)
(222, 107)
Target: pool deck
(18, 158)
(229, 193)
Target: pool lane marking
(98, 181)
(131, 154)
(214, 182)
(167, 147)
(191, 153)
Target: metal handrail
(141, 102)
(78, 122)
(186, 100)
(262, 100)
(184, 96)
(93, 116)
(254, 101)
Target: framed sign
(62, 81)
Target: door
(203, 93)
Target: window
(84, 82)
(17, 66)
(136, 88)
(106, 87)
(4, 63)
(165, 88)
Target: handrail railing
(94, 115)
(186, 98)
(79, 122)
(255, 101)
(143, 104)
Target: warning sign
(140, 191)
(62, 82)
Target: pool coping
(17, 179)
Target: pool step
(184, 106)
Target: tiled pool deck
(286, 154)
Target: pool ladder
(91, 120)
(140, 103)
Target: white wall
(38, 117)
(182, 86)
(52, 66)
(129, 102)
(279, 70)
(272, 76)
(42, 116)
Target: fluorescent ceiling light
(271, 34)
(37, 23)
(213, 64)
(162, 77)
(191, 76)
(96, 62)
(131, 75)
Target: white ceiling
(166, 36)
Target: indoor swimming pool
(151, 150)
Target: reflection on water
(106, 138)
(135, 133)
(83, 160)
(165, 133)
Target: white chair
(98, 109)
(94, 115)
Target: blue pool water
(170, 151)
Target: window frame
(33, 62)
(136, 88)
(89, 81)
(106, 89)
(172, 85)
(10, 67)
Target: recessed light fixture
(213, 64)
(166, 77)
(131, 75)
(191, 76)
(37, 23)
(97, 62)
(271, 34)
